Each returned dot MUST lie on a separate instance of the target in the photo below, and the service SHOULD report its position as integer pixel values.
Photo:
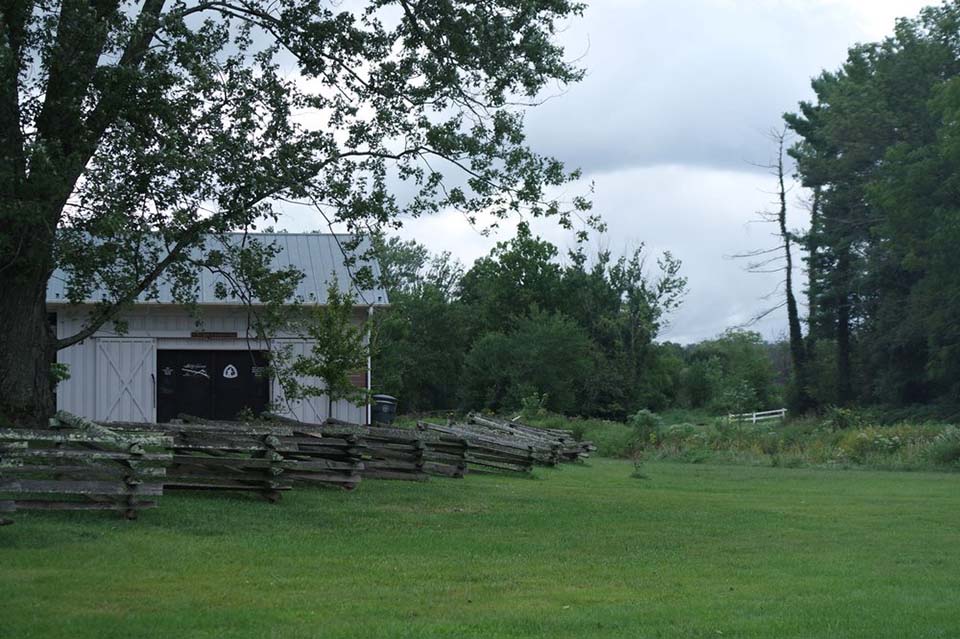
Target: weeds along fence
(76, 464)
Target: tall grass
(843, 438)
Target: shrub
(646, 426)
(534, 405)
(843, 418)
(681, 436)
(857, 445)
(798, 443)
(610, 438)
(944, 450)
(547, 355)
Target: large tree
(878, 148)
(132, 131)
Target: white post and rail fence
(763, 416)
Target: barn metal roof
(320, 257)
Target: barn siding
(171, 328)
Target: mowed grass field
(582, 551)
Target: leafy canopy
(132, 130)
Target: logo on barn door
(195, 370)
(230, 372)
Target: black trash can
(384, 409)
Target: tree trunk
(27, 345)
(844, 369)
(812, 244)
(798, 353)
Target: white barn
(170, 361)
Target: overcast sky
(669, 126)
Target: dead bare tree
(779, 259)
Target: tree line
(576, 335)
(879, 152)
(879, 149)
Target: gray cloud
(667, 123)
(692, 82)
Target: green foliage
(799, 443)
(880, 148)
(133, 133)
(59, 372)
(843, 418)
(339, 348)
(646, 425)
(738, 397)
(519, 323)
(858, 445)
(421, 344)
(730, 374)
(534, 405)
(547, 355)
(944, 450)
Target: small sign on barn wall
(213, 335)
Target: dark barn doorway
(211, 384)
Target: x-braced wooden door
(126, 379)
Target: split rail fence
(75, 464)
(497, 445)
(261, 457)
(395, 453)
(79, 464)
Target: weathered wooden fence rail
(223, 456)
(551, 446)
(79, 465)
(390, 453)
(485, 452)
(395, 453)
(334, 460)
(512, 446)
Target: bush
(548, 355)
(858, 445)
(646, 426)
(944, 450)
(843, 418)
(610, 438)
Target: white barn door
(126, 379)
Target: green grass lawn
(583, 551)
